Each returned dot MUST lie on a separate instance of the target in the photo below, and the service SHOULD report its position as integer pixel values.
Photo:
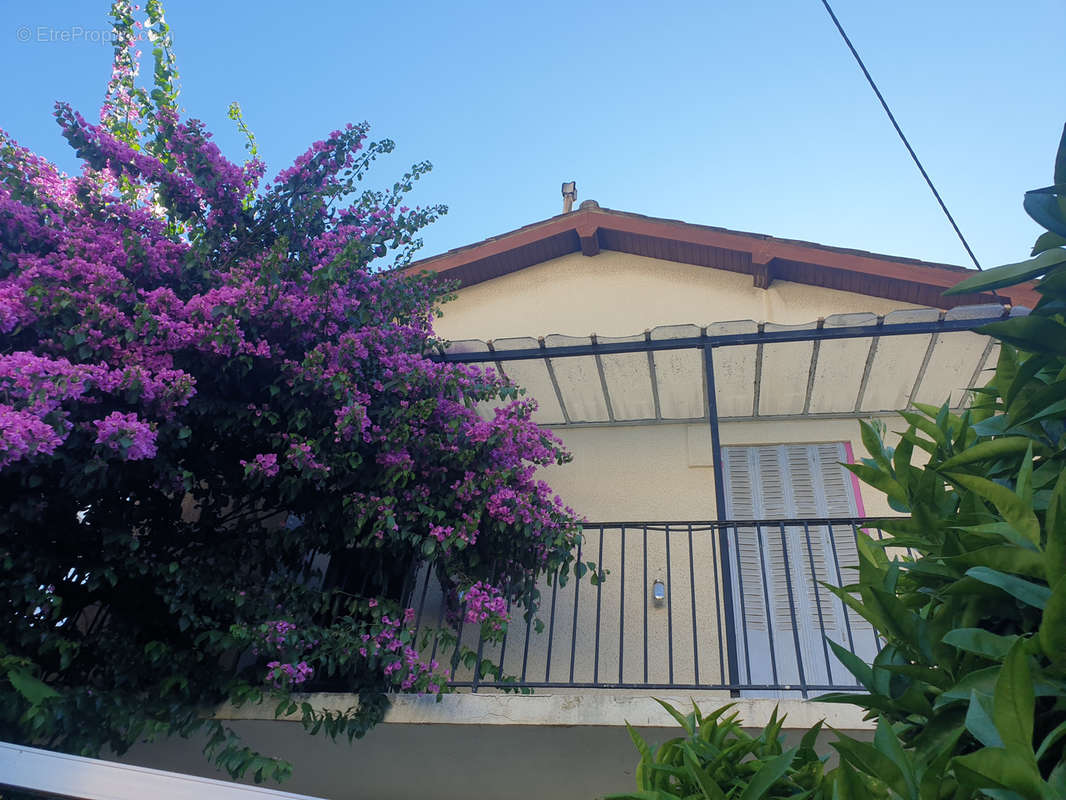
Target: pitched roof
(591, 229)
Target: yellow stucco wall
(664, 472)
(617, 294)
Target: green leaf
(1059, 174)
(1056, 532)
(847, 784)
(988, 450)
(1003, 529)
(867, 758)
(1052, 634)
(888, 743)
(926, 426)
(768, 775)
(1012, 507)
(35, 691)
(1050, 740)
(1008, 274)
(645, 755)
(1032, 333)
(1014, 703)
(1046, 241)
(1045, 206)
(1032, 594)
(981, 642)
(901, 457)
(979, 720)
(1005, 558)
(996, 768)
(703, 777)
(872, 442)
(677, 715)
(882, 481)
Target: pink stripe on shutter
(854, 480)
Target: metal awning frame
(759, 338)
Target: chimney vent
(569, 196)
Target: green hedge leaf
(1012, 507)
(984, 643)
(979, 720)
(1030, 593)
(1009, 274)
(1014, 703)
(1052, 632)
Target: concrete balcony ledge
(586, 708)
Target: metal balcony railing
(736, 606)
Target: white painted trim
(93, 779)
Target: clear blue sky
(745, 115)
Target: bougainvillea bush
(224, 444)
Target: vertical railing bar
(599, 593)
(477, 664)
(880, 538)
(529, 615)
(440, 625)
(692, 592)
(622, 606)
(645, 604)
(408, 583)
(743, 603)
(573, 635)
(422, 602)
(840, 582)
(551, 629)
(792, 611)
(769, 612)
(481, 644)
(458, 640)
(503, 644)
(720, 507)
(718, 607)
(818, 602)
(669, 608)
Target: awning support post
(720, 513)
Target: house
(708, 383)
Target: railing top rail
(723, 340)
(742, 523)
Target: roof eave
(766, 258)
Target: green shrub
(718, 760)
(971, 683)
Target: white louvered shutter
(791, 482)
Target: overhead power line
(899, 130)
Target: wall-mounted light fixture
(658, 591)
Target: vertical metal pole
(622, 607)
(719, 509)
(669, 607)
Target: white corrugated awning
(845, 365)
